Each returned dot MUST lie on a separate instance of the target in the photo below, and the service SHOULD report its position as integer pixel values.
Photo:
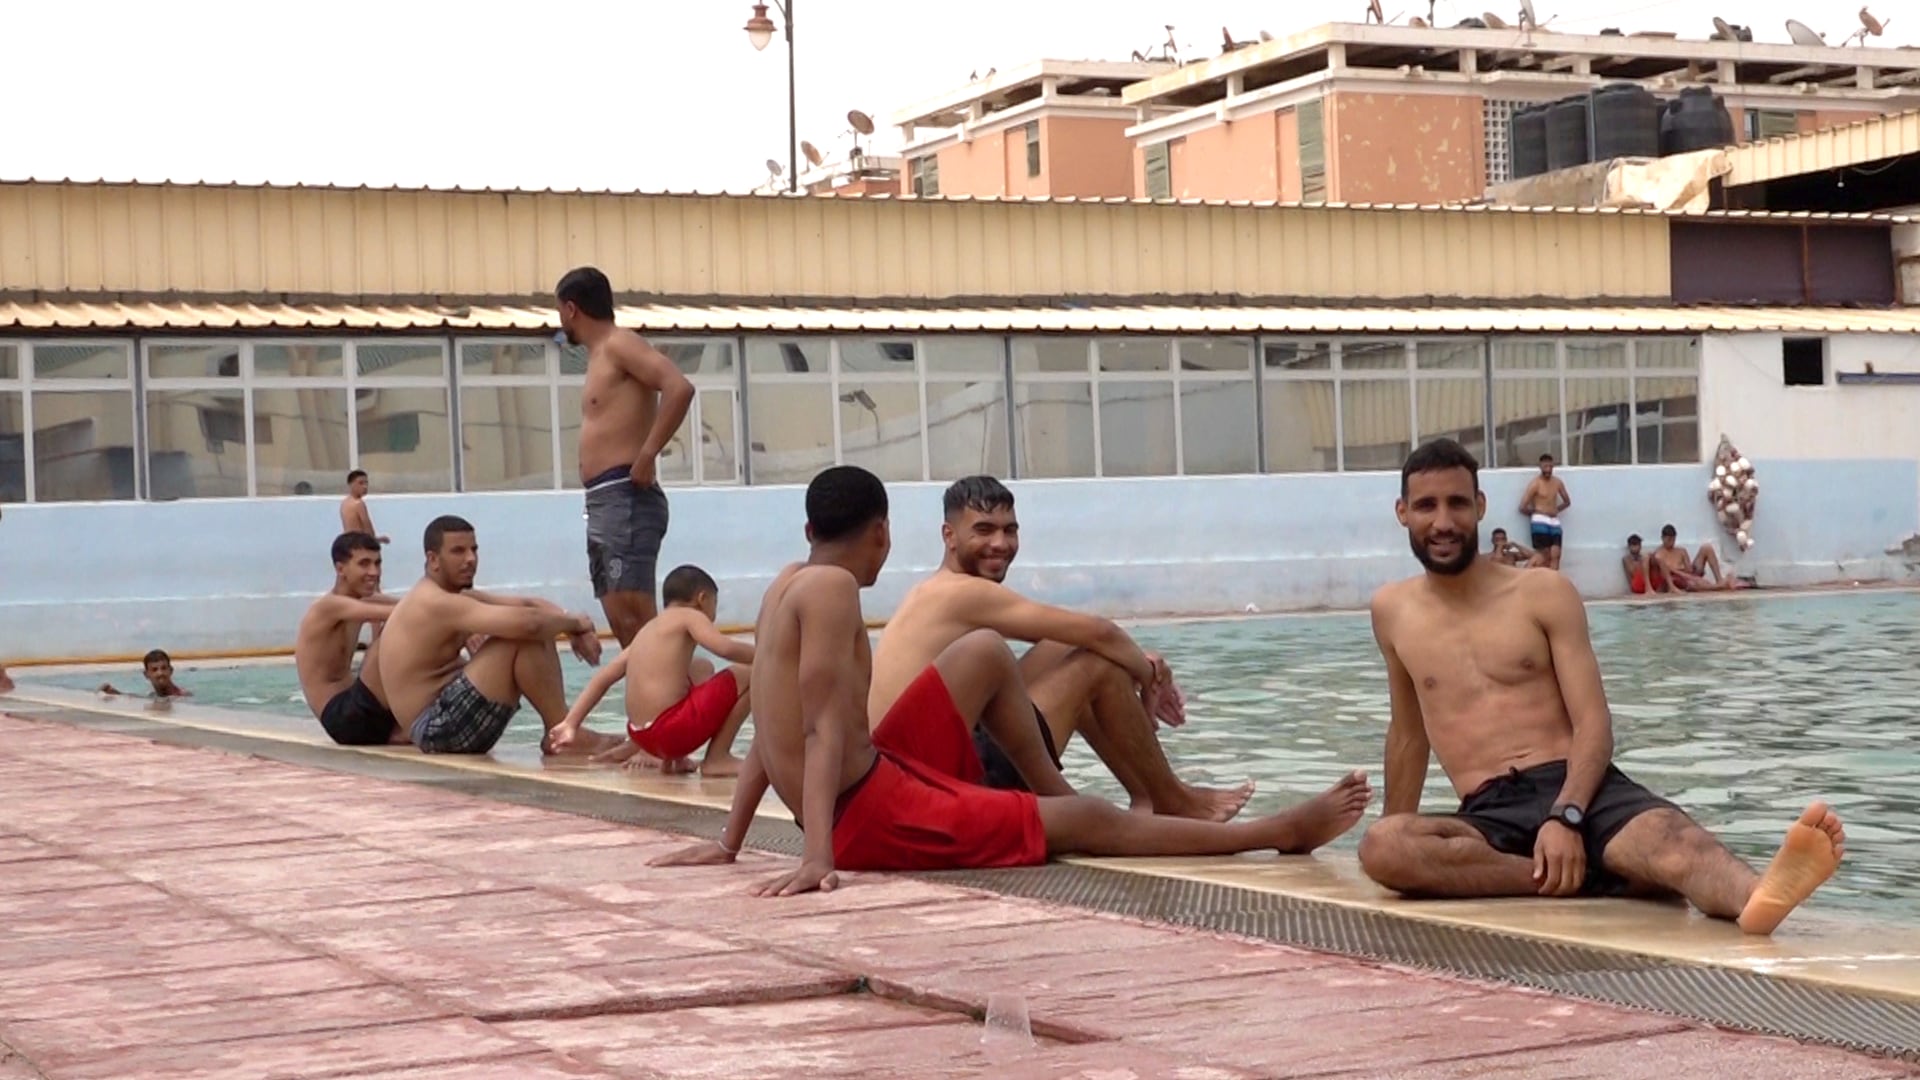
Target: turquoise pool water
(1740, 710)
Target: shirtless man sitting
(904, 796)
(350, 707)
(1507, 553)
(448, 704)
(1544, 500)
(1085, 674)
(1491, 670)
(1673, 571)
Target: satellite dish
(1494, 22)
(861, 122)
(1417, 21)
(1869, 26)
(1264, 36)
(773, 167)
(1723, 30)
(812, 152)
(1374, 14)
(1526, 15)
(1802, 34)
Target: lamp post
(759, 33)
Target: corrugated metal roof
(1872, 139)
(188, 317)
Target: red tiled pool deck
(174, 912)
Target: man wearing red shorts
(901, 797)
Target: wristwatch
(1569, 815)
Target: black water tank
(1527, 140)
(1626, 122)
(1567, 133)
(1696, 120)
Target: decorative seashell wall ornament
(1733, 493)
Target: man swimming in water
(1543, 502)
(904, 796)
(450, 705)
(1493, 673)
(157, 668)
(1084, 673)
(351, 707)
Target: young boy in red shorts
(675, 704)
(902, 797)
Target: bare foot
(1323, 817)
(720, 767)
(1808, 858)
(642, 761)
(679, 766)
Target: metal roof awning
(1874, 139)
(155, 317)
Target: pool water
(1740, 710)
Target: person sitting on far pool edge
(1507, 553)
(1634, 565)
(905, 796)
(1673, 571)
(675, 703)
(157, 667)
(1492, 672)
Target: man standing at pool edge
(633, 401)
(1491, 670)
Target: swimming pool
(1741, 710)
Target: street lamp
(759, 34)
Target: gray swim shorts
(625, 525)
(461, 720)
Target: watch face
(1572, 815)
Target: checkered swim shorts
(461, 720)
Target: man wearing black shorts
(350, 707)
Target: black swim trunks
(1510, 809)
(354, 717)
(625, 525)
(999, 768)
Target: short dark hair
(1497, 531)
(439, 527)
(842, 500)
(1669, 530)
(157, 656)
(982, 493)
(347, 543)
(1546, 457)
(589, 290)
(1439, 455)
(685, 583)
(1634, 539)
(357, 474)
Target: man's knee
(978, 647)
(1383, 849)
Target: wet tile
(421, 956)
(536, 1066)
(85, 934)
(912, 919)
(17, 849)
(177, 989)
(109, 963)
(696, 1032)
(285, 1057)
(681, 982)
(55, 875)
(384, 899)
(1662, 1057)
(224, 835)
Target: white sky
(626, 94)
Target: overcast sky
(627, 94)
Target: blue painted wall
(118, 578)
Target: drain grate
(1721, 996)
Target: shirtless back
(350, 707)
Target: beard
(970, 565)
(1469, 545)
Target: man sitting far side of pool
(157, 667)
(1634, 565)
(351, 707)
(1507, 553)
(675, 703)
(1673, 571)
(1084, 672)
(1492, 672)
(448, 704)
(903, 797)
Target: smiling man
(1490, 669)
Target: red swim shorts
(919, 809)
(1639, 582)
(691, 724)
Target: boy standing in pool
(675, 703)
(1491, 671)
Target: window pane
(506, 438)
(1050, 354)
(1597, 421)
(1300, 426)
(405, 438)
(1526, 420)
(1373, 356)
(713, 357)
(1525, 355)
(213, 360)
(880, 427)
(868, 355)
(1297, 355)
(1136, 354)
(299, 441)
(967, 428)
(1596, 356)
(1448, 356)
(963, 355)
(197, 444)
(378, 360)
(1053, 428)
(1375, 424)
(792, 428)
(319, 359)
(573, 360)
(570, 435)
(13, 447)
(1455, 408)
(101, 361)
(82, 445)
(675, 464)
(501, 358)
(798, 356)
(9, 362)
(1136, 429)
(1667, 420)
(719, 437)
(1216, 354)
(1217, 426)
(1666, 354)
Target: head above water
(356, 564)
(690, 586)
(981, 533)
(1546, 464)
(847, 521)
(1441, 506)
(157, 666)
(357, 483)
(453, 553)
(585, 299)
